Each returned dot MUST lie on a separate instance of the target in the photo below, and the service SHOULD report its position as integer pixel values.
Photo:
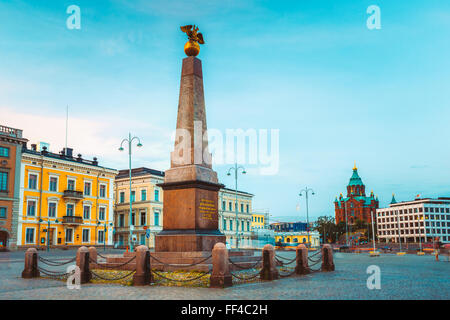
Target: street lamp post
(373, 230)
(236, 170)
(306, 191)
(399, 235)
(48, 231)
(129, 141)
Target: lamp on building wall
(104, 232)
(48, 231)
(236, 171)
(139, 144)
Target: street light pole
(306, 191)
(236, 170)
(373, 230)
(129, 141)
(399, 235)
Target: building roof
(367, 200)
(65, 157)
(355, 179)
(232, 190)
(136, 172)
(393, 199)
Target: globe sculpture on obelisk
(190, 185)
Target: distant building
(293, 238)
(356, 206)
(11, 145)
(416, 220)
(227, 215)
(260, 220)
(65, 200)
(289, 226)
(147, 206)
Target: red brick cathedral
(356, 206)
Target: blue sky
(337, 91)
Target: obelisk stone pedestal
(190, 185)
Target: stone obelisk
(190, 185)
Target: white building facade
(235, 226)
(419, 220)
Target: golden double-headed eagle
(191, 48)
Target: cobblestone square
(402, 277)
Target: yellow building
(294, 238)
(65, 200)
(259, 220)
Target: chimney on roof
(68, 152)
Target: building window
(121, 220)
(242, 207)
(133, 196)
(224, 206)
(32, 181)
(31, 208)
(86, 212)
(101, 213)
(69, 235)
(143, 219)
(242, 225)
(69, 210)
(230, 206)
(3, 181)
(248, 225)
(122, 197)
(248, 208)
(101, 236)
(29, 235)
(156, 195)
(71, 184)
(143, 195)
(156, 218)
(52, 210)
(231, 224)
(53, 185)
(2, 212)
(87, 188)
(4, 152)
(224, 224)
(133, 219)
(102, 191)
(86, 235)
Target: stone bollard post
(143, 274)
(221, 276)
(31, 264)
(302, 260)
(83, 264)
(269, 270)
(327, 258)
(93, 254)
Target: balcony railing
(72, 220)
(73, 194)
(12, 132)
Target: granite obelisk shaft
(190, 185)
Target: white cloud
(92, 137)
